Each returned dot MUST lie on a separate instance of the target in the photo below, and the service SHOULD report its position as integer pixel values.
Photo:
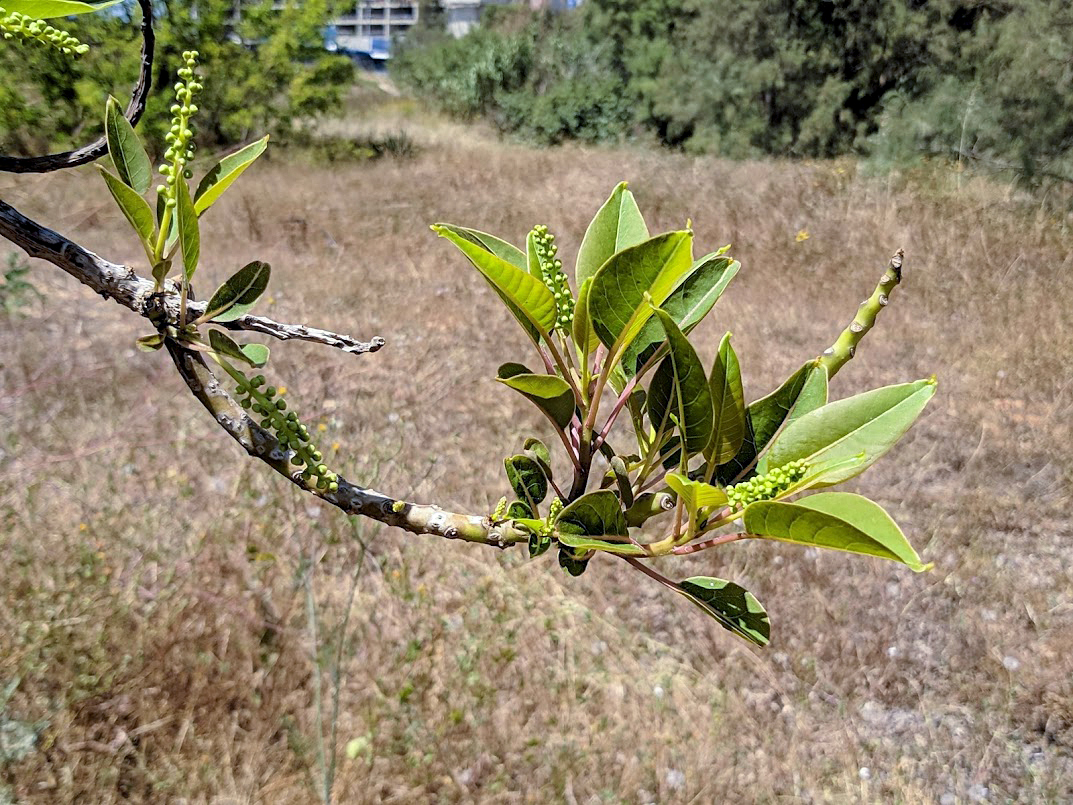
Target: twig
(837, 355)
(136, 293)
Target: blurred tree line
(264, 72)
(897, 79)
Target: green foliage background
(268, 71)
(897, 79)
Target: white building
(370, 25)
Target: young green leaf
(618, 224)
(868, 423)
(618, 306)
(223, 345)
(736, 609)
(728, 400)
(526, 479)
(134, 208)
(520, 510)
(256, 354)
(237, 296)
(129, 157)
(805, 390)
(538, 451)
(189, 235)
(696, 495)
(549, 393)
(151, 343)
(490, 243)
(539, 543)
(584, 336)
(224, 173)
(596, 514)
(841, 521)
(688, 304)
(573, 562)
(50, 9)
(681, 389)
(526, 296)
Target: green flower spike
(27, 29)
(292, 435)
(766, 487)
(551, 271)
(180, 137)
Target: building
(368, 28)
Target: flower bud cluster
(768, 486)
(19, 26)
(555, 508)
(551, 271)
(268, 403)
(180, 138)
(500, 512)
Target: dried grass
(152, 605)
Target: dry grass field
(155, 586)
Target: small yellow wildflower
(322, 427)
(802, 236)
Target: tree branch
(350, 498)
(133, 291)
(122, 284)
(81, 156)
(838, 354)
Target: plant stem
(652, 574)
(838, 354)
(708, 543)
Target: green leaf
(580, 544)
(695, 494)
(134, 208)
(688, 304)
(596, 514)
(618, 224)
(189, 235)
(838, 520)
(151, 343)
(632, 282)
(728, 399)
(572, 562)
(868, 423)
(538, 451)
(492, 244)
(50, 9)
(224, 173)
(584, 336)
(129, 157)
(526, 296)
(736, 609)
(805, 390)
(526, 479)
(681, 388)
(539, 543)
(620, 472)
(256, 354)
(520, 510)
(224, 345)
(549, 393)
(237, 296)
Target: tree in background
(278, 73)
(988, 80)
